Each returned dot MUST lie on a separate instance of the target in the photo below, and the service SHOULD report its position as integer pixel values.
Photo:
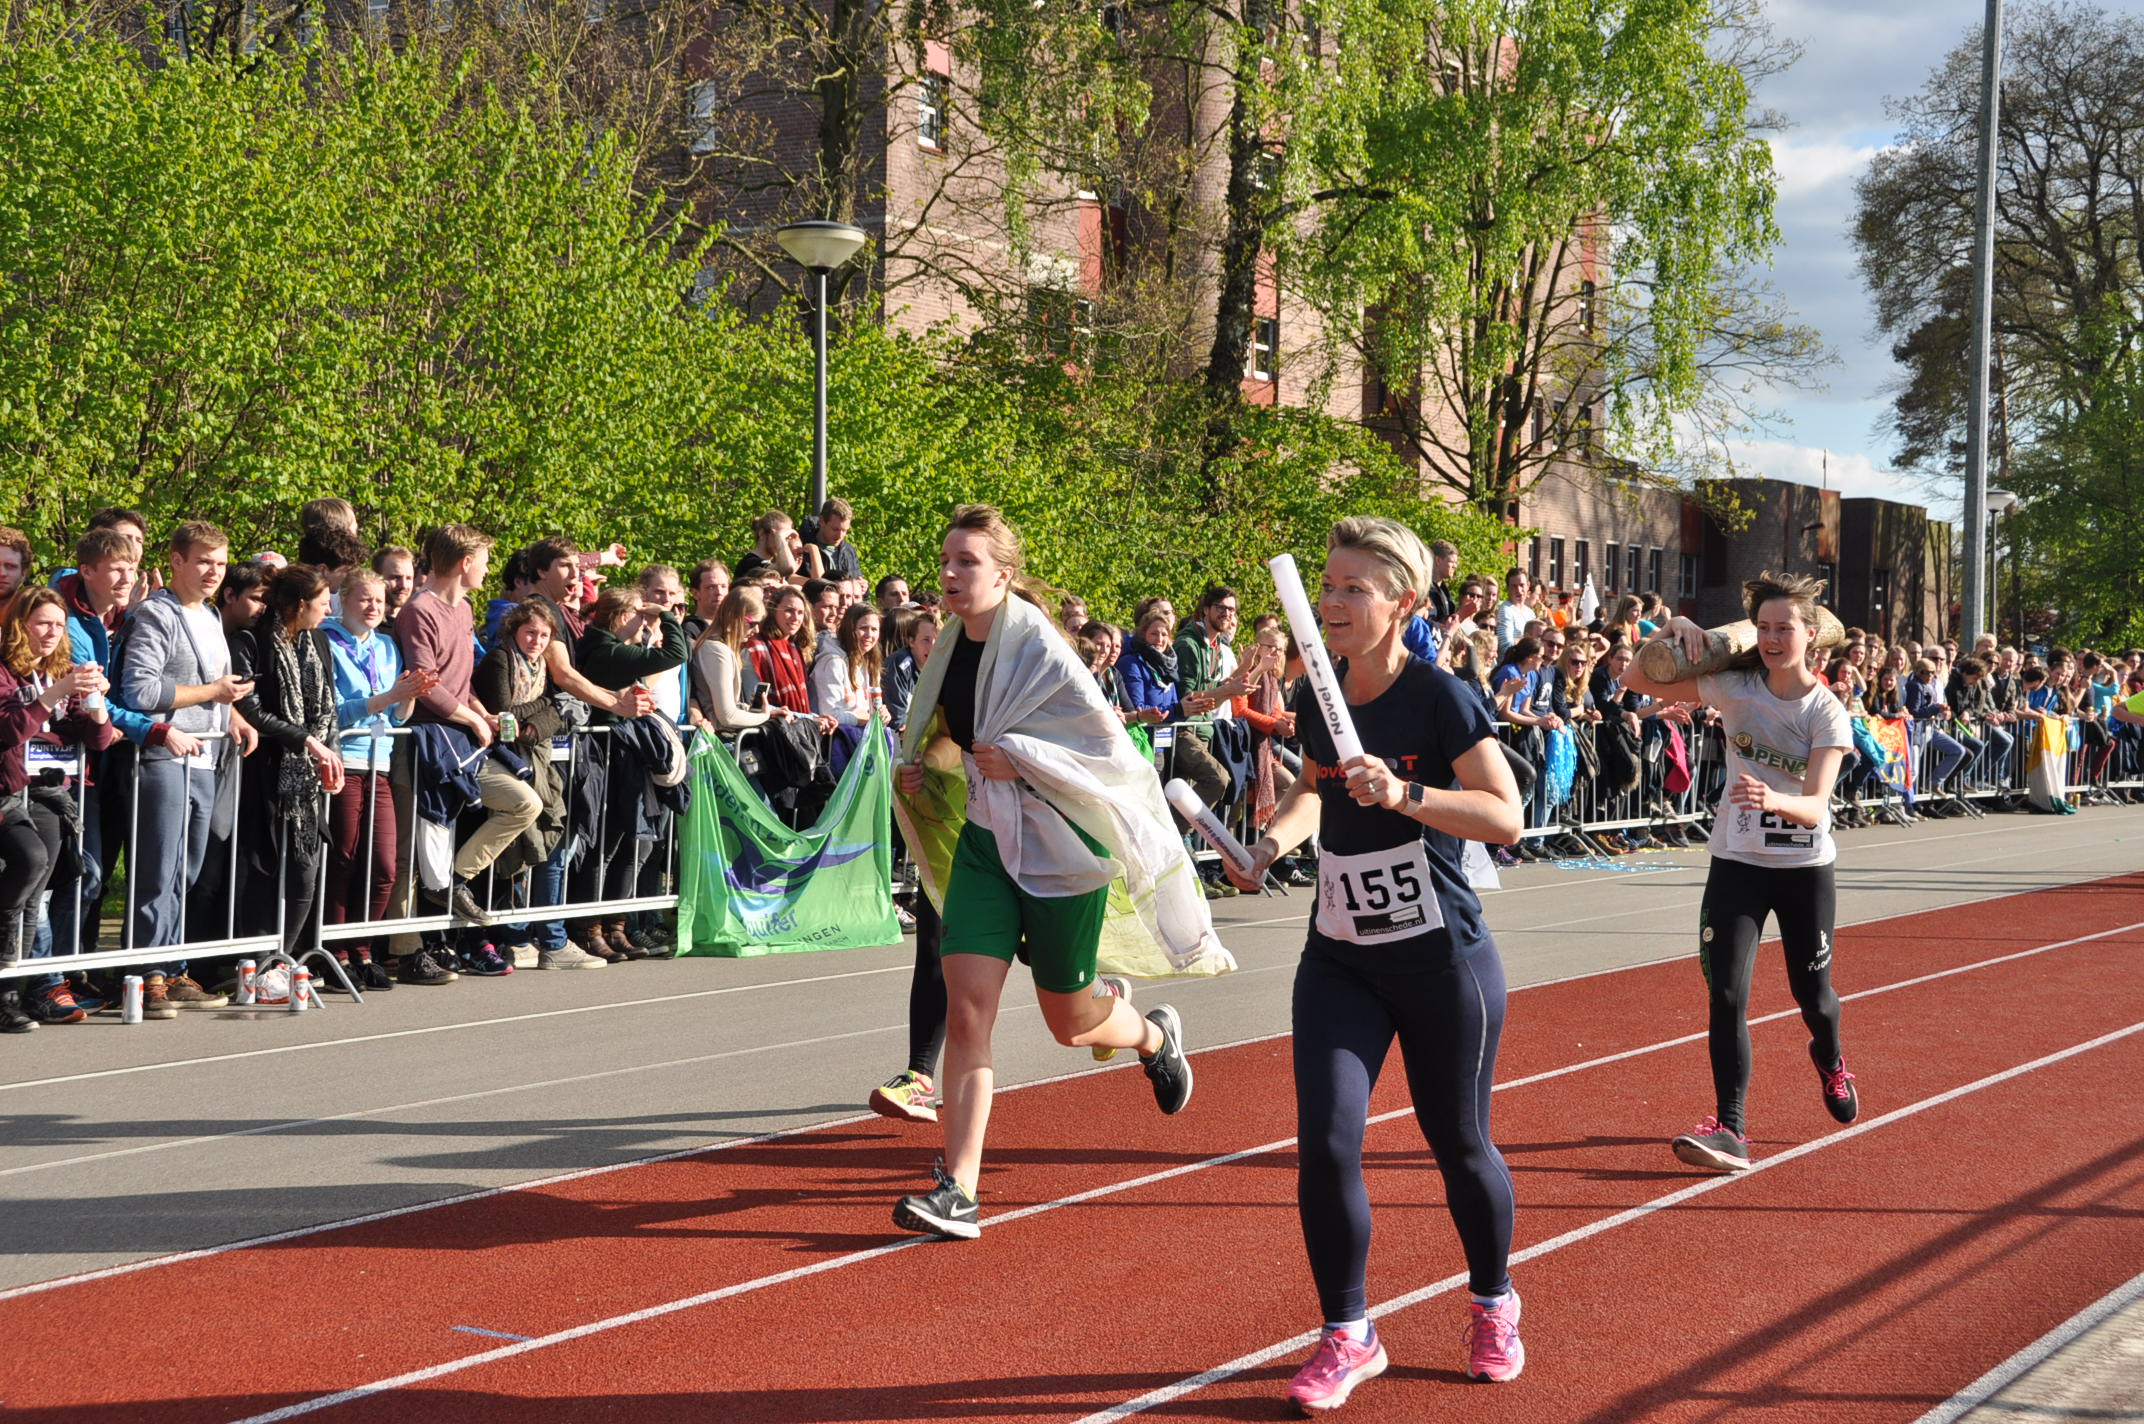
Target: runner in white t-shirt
(1772, 850)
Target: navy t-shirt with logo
(1392, 893)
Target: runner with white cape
(1036, 825)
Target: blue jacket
(446, 765)
(1421, 638)
(91, 642)
(1143, 687)
(362, 672)
(1923, 702)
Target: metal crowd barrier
(61, 910)
(566, 751)
(214, 936)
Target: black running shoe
(1715, 1146)
(1840, 1099)
(944, 1210)
(1169, 1070)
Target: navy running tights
(1447, 1019)
(1738, 897)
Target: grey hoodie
(157, 657)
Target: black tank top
(956, 695)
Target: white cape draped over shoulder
(1077, 766)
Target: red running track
(1866, 1274)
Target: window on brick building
(1686, 584)
(1555, 563)
(1263, 363)
(704, 100)
(1635, 567)
(1653, 583)
(931, 99)
(1533, 559)
(1060, 318)
(1582, 565)
(1588, 305)
(1611, 561)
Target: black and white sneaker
(944, 1210)
(1169, 1070)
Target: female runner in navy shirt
(1397, 949)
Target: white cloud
(1826, 168)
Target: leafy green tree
(1538, 221)
(2081, 520)
(2069, 287)
(231, 288)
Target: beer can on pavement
(248, 983)
(130, 1000)
(509, 727)
(301, 989)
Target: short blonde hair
(1392, 544)
(356, 579)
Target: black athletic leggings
(1738, 896)
(1447, 1019)
(926, 993)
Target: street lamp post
(819, 247)
(2001, 502)
(1976, 425)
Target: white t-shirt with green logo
(1771, 738)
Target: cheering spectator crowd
(355, 750)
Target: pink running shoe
(1494, 1351)
(1336, 1367)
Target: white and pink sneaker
(1338, 1364)
(1495, 1353)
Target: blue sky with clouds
(1856, 54)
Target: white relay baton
(1207, 824)
(1324, 684)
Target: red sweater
(21, 719)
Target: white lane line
(1221, 1372)
(455, 1027)
(508, 1129)
(536, 1015)
(1992, 1383)
(1653, 907)
(1169, 1393)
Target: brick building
(1629, 537)
(1888, 564)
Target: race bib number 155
(1378, 895)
